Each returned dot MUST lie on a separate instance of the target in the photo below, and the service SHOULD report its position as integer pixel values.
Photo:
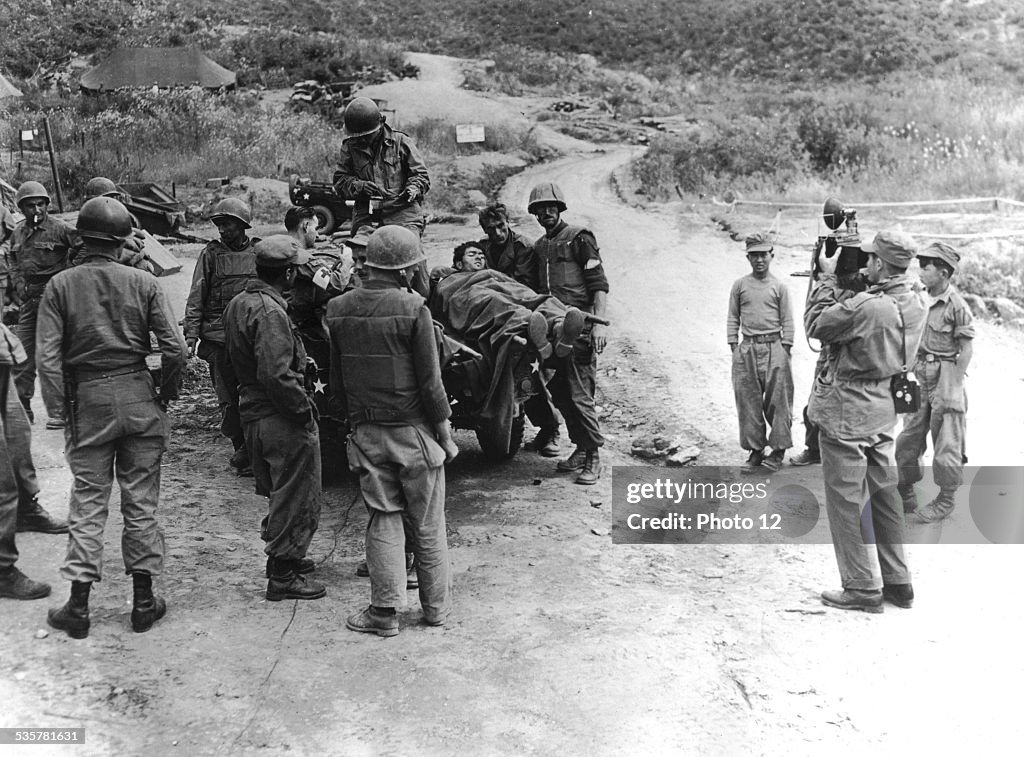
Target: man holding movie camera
(854, 402)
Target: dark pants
(9, 440)
(18, 484)
(230, 422)
(25, 376)
(286, 465)
(811, 435)
(573, 389)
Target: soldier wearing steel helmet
(382, 165)
(386, 375)
(571, 270)
(95, 325)
(223, 268)
(40, 248)
(134, 251)
(265, 366)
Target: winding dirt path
(561, 642)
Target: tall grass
(904, 140)
(183, 136)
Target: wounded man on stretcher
(492, 311)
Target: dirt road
(560, 641)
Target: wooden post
(53, 165)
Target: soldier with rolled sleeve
(95, 324)
(941, 366)
(265, 365)
(571, 270)
(852, 402)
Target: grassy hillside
(792, 40)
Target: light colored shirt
(759, 307)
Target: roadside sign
(469, 133)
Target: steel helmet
(105, 219)
(546, 192)
(362, 117)
(232, 207)
(30, 190)
(100, 186)
(393, 248)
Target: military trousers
(573, 389)
(19, 433)
(230, 422)
(10, 439)
(286, 467)
(865, 514)
(762, 383)
(402, 481)
(25, 375)
(116, 430)
(948, 430)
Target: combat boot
(575, 461)
(32, 517)
(73, 617)
(303, 565)
(545, 443)
(147, 609)
(572, 326)
(381, 621)
(939, 508)
(241, 463)
(807, 457)
(538, 331)
(591, 468)
(286, 583)
(854, 599)
(16, 585)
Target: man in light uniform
(95, 322)
(852, 403)
(942, 359)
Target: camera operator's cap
(894, 247)
(943, 252)
(759, 242)
(279, 251)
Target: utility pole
(53, 165)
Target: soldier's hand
(598, 337)
(371, 189)
(411, 193)
(451, 451)
(190, 344)
(788, 348)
